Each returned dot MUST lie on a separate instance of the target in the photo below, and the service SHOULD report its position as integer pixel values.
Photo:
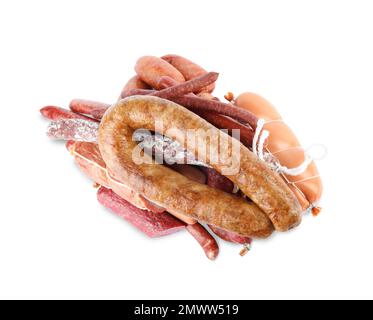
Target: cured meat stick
(92, 108)
(135, 92)
(190, 86)
(188, 69)
(200, 104)
(171, 88)
(230, 236)
(153, 225)
(57, 113)
(224, 122)
(216, 180)
(205, 239)
(206, 95)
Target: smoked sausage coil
(173, 191)
(152, 224)
(230, 237)
(187, 87)
(57, 113)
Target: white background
(312, 59)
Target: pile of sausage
(159, 199)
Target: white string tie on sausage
(259, 140)
(261, 136)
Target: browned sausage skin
(173, 191)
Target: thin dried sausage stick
(152, 224)
(230, 236)
(205, 239)
(171, 88)
(187, 87)
(188, 69)
(166, 82)
(57, 113)
(88, 107)
(206, 95)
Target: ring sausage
(173, 191)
